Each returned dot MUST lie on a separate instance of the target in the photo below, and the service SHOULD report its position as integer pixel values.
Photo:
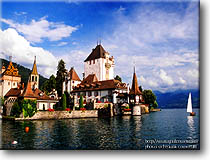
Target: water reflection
(125, 132)
(191, 126)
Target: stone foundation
(46, 115)
(136, 110)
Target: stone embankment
(46, 115)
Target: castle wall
(98, 68)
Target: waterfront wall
(46, 115)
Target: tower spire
(34, 69)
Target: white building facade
(99, 63)
(9, 78)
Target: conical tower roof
(73, 75)
(34, 69)
(28, 92)
(135, 87)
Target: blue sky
(159, 38)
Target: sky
(159, 38)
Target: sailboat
(189, 106)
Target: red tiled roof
(28, 92)
(41, 96)
(96, 53)
(11, 70)
(90, 79)
(13, 92)
(100, 85)
(73, 75)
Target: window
(109, 92)
(94, 61)
(36, 78)
(89, 93)
(13, 84)
(43, 107)
(90, 61)
(96, 93)
(32, 78)
(8, 83)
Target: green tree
(49, 85)
(16, 109)
(150, 98)
(60, 77)
(81, 102)
(2, 101)
(52, 83)
(28, 107)
(118, 78)
(68, 99)
(140, 88)
(64, 102)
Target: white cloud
(166, 79)
(181, 80)
(36, 31)
(162, 44)
(23, 53)
(62, 44)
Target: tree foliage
(118, 78)
(140, 88)
(60, 77)
(27, 107)
(150, 98)
(49, 85)
(68, 99)
(64, 102)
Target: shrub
(16, 109)
(64, 102)
(28, 108)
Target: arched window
(32, 78)
(36, 78)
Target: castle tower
(34, 77)
(99, 63)
(71, 80)
(9, 78)
(135, 96)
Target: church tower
(99, 63)
(34, 77)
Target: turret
(34, 77)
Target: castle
(98, 84)
(16, 90)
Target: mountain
(24, 72)
(177, 99)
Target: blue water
(174, 127)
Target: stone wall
(45, 115)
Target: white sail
(189, 104)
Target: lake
(167, 129)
